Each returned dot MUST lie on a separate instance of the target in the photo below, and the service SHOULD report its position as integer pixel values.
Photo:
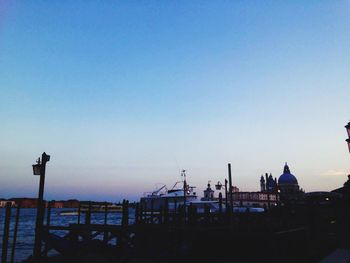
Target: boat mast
(183, 174)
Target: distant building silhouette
(208, 194)
(345, 190)
(269, 184)
(4, 202)
(287, 185)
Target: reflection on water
(26, 227)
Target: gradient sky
(124, 94)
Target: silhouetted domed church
(287, 185)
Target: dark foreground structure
(304, 229)
(304, 232)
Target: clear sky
(124, 94)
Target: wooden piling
(5, 237)
(127, 213)
(226, 196)
(152, 207)
(40, 209)
(137, 213)
(190, 220)
(175, 212)
(230, 191)
(141, 214)
(79, 211)
(160, 215)
(106, 213)
(166, 211)
(48, 216)
(15, 233)
(207, 214)
(48, 222)
(125, 218)
(220, 204)
(88, 215)
(88, 221)
(175, 206)
(105, 234)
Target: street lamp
(218, 186)
(39, 169)
(347, 127)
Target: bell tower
(262, 184)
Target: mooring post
(88, 220)
(190, 214)
(182, 214)
(226, 201)
(220, 204)
(230, 191)
(127, 213)
(123, 212)
(48, 222)
(15, 233)
(125, 218)
(175, 212)
(88, 214)
(105, 233)
(137, 213)
(207, 214)
(40, 209)
(106, 212)
(152, 207)
(195, 214)
(141, 213)
(48, 216)
(79, 211)
(5, 237)
(185, 191)
(166, 211)
(160, 215)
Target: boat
(95, 208)
(101, 208)
(69, 213)
(179, 195)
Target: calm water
(26, 227)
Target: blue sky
(124, 94)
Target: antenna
(183, 174)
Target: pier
(297, 234)
(304, 230)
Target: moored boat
(69, 213)
(181, 193)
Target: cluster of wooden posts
(182, 214)
(134, 219)
(163, 216)
(6, 234)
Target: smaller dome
(287, 177)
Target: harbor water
(26, 227)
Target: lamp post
(39, 169)
(218, 186)
(347, 127)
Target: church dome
(287, 177)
